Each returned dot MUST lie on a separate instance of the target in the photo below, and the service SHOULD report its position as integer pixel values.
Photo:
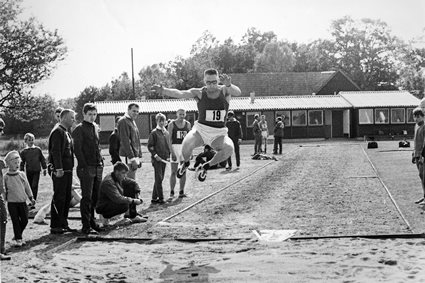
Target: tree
(365, 50)
(121, 88)
(36, 116)
(276, 57)
(28, 53)
(258, 39)
(411, 70)
(313, 57)
(150, 75)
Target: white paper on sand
(274, 235)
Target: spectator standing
(114, 144)
(278, 135)
(32, 161)
(3, 211)
(17, 192)
(264, 132)
(257, 134)
(235, 134)
(159, 147)
(61, 163)
(90, 166)
(178, 129)
(128, 133)
(418, 148)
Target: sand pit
(318, 190)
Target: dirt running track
(328, 189)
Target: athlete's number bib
(215, 115)
(181, 134)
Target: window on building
(286, 117)
(410, 115)
(365, 116)
(397, 116)
(315, 118)
(382, 116)
(299, 118)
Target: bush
(19, 144)
(14, 145)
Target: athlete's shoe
(419, 201)
(182, 169)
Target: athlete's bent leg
(224, 147)
(191, 141)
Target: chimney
(252, 95)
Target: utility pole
(132, 75)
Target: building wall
(384, 130)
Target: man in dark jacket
(114, 144)
(118, 195)
(278, 135)
(130, 147)
(159, 147)
(235, 134)
(61, 163)
(90, 166)
(257, 134)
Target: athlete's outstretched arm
(175, 93)
(230, 88)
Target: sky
(99, 34)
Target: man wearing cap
(235, 134)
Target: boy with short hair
(159, 147)
(32, 161)
(418, 139)
(17, 191)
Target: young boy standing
(159, 147)
(17, 191)
(418, 139)
(32, 161)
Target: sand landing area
(331, 193)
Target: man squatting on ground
(90, 166)
(128, 133)
(118, 195)
(213, 105)
(159, 147)
(178, 129)
(61, 162)
(418, 148)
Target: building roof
(289, 83)
(364, 99)
(236, 103)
